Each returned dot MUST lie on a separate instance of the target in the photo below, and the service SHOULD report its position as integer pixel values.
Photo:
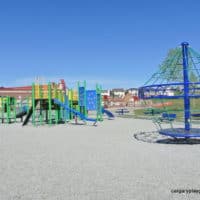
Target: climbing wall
(91, 99)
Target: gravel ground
(77, 162)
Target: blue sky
(117, 43)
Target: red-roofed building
(17, 92)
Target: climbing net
(176, 89)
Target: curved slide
(108, 113)
(30, 112)
(22, 113)
(82, 116)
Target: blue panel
(91, 100)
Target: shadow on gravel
(155, 137)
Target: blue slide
(82, 116)
(108, 113)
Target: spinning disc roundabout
(178, 81)
(181, 132)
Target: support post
(8, 109)
(41, 102)
(85, 103)
(186, 85)
(99, 103)
(49, 103)
(2, 109)
(33, 104)
(14, 109)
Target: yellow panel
(37, 89)
(75, 95)
(45, 95)
(53, 96)
(41, 91)
(72, 95)
(44, 91)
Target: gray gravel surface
(71, 162)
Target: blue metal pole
(186, 85)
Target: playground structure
(53, 104)
(7, 109)
(42, 108)
(11, 110)
(186, 93)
